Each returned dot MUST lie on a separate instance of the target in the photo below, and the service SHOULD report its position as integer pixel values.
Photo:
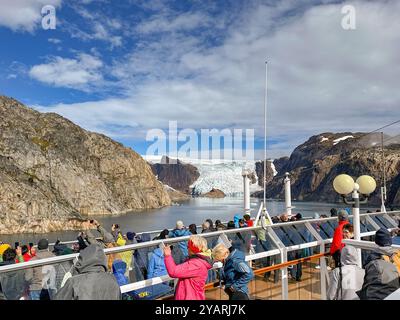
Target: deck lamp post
(288, 197)
(246, 174)
(364, 185)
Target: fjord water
(195, 211)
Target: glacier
(225, 175)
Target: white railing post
(288, 197)
(356, 220)
(284, 271)
(322, 264)
(246, 190)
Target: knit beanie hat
(43, 244)
(383, 238)
(130, 235)
(343, 215)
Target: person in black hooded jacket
(381, 276)
(90, 279)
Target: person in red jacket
(248, 220)
(337, 244)
(192, 274)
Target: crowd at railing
(141, 266)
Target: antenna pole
(383, 187)
(265, 132)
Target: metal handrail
(59, 259)
(275, 224)
(367, 245)
(130, 247)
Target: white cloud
(54, 40)
(101, 27)
(321, 77)
(79, 73)
(181, 22)
(23, 15)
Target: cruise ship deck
(291, 245)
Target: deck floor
(309, 288)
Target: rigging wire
(348, 157)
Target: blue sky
(123, 68)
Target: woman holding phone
(192, 274)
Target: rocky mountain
(178, 175)
(260, 171)
(175, 195)
(53, 173)
(215, 193)
(314, 164)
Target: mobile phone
(16, 244)
(30, 244)
(161, 246)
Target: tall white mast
(265, 132)
(265, 212)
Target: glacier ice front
(225, 175)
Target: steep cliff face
(53, 172)
(175, 195)
(260, 172)
(314, 164)
(177, 174)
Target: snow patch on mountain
(273, 168)
(324, 139)
(336, 141)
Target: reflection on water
(193, 211)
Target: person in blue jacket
(182, 253)
(236, 271)
(236, 219)
(156, 268)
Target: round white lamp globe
(367, 184)
(343, 184)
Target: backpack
(395, 259)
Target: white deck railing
(280, 248)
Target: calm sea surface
(193, 211)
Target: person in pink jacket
(192, 274)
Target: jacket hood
(348, 255)
(119, 266)
(379, 252)
(389, 251)
(205, 256)
(4, 247)
(42, 254)
(236, 219)
(121, 241)
(145, 237)
(180, 232)
(91, 259)
(236, 255)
